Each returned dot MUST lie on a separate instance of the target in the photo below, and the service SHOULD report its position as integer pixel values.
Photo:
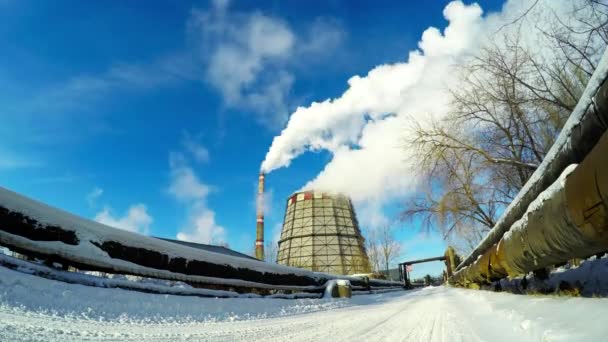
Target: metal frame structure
(321, 233)
(404, 274)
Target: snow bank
(122, 282)
(590, 279)
(90, 231)
(35, 227)
(29, 293)
(37, 309)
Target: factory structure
(259, 228)
(320, 233)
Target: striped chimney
(259, 233)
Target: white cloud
(202, 227)
(371, 215)
(323, 36)
(8, 163)
(365, 128)
(136, 219)
(80, 91)
(9, 160)
(93, 196)
(198, 151)
(249, 55)
(186, 187)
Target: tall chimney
(259, 233)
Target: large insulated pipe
(259, 231)
(568, 220)
(582, 131)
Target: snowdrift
(34, 228)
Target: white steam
(365, 128)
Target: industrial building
(321, 233)
(210, 248)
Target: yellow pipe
(569, 220)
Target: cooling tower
(321, 233)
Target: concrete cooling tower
(321, 233)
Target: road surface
(32, 309)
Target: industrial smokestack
(259, 234)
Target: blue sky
(121, 111)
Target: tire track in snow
(434, 314)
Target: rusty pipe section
(259, 231)
(568, 220)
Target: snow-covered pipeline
(31, 227)
(568, 220)
(584, 128)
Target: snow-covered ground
(590, 279)
(37, 309)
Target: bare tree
(373, 250)
(270, 251)
(382, 248)
(510, 104)
(389, 248)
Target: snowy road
(44, 310)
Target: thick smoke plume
(364, 129)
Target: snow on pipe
(568, 220)
(259, 231)
(33, 228)
(91, 280)
(585, 126)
